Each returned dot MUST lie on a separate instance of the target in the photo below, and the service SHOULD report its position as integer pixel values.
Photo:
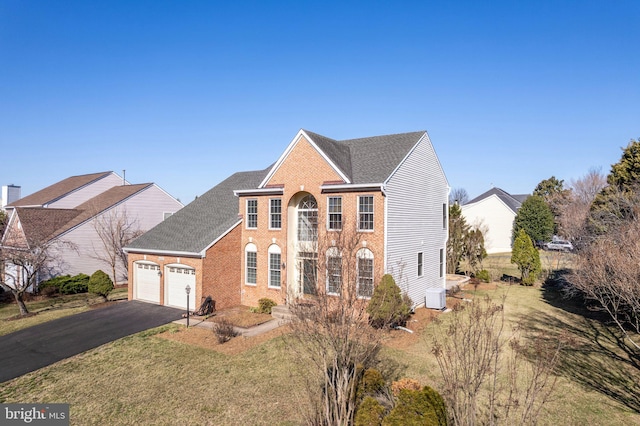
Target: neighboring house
(67, 211)
(493, 213)
(255, 234)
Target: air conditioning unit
(436, 298)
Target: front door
(309, 273)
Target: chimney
(10, 194)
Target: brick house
(256, 234)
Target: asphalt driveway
(35, 347)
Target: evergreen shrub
(387, 306)
(265, 304)
(100, 283)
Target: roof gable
(370, 160)
(513, 202)
(40, 224)
(335, 155)
(58, 190)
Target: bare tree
(26, 260)
(607, 271)
(115, 230)
(574, 208)
(588, 186)
(458, 196)
(490, 376)
(330, 331)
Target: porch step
(281, 312)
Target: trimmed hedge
(66, 284)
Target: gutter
(128, 250)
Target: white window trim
(329, 213)
(420, 264)
(250, 248)
(333, 253)
(246, 206)
(373, 213)
(274, 249)
(271, 214)
(364, 253)
(445, 216)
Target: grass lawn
(149, 379)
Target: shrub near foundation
(388, 307)
(65, 284)
(100, 284)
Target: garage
(177, 279)
(147, 282)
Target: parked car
(558, 244)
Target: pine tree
(526, 256)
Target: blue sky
(185, 93)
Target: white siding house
(494, 212)
(144, 209)
(416, 212)
(68, 212)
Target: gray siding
(415, 195)
(86, 193)
(146, 207)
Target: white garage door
(177, 279)
(147, 282)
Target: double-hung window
(275, 213)
(365, 273)
(335, 213)
(334, 272)
(252, 213)
(251, 264)
(275, 260)
(444, 216)
(365, 213)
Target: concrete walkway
(245, 332)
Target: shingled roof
(200, 223)
(369, 160)
(196, 226)
(57, 190)
(512, 201)
(45, 223)
(374, 159)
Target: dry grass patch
(207, 339)
(144, 379)
(172, 375)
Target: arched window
(365, 272)
(251, 264)
(308, 219)
(275, 260)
